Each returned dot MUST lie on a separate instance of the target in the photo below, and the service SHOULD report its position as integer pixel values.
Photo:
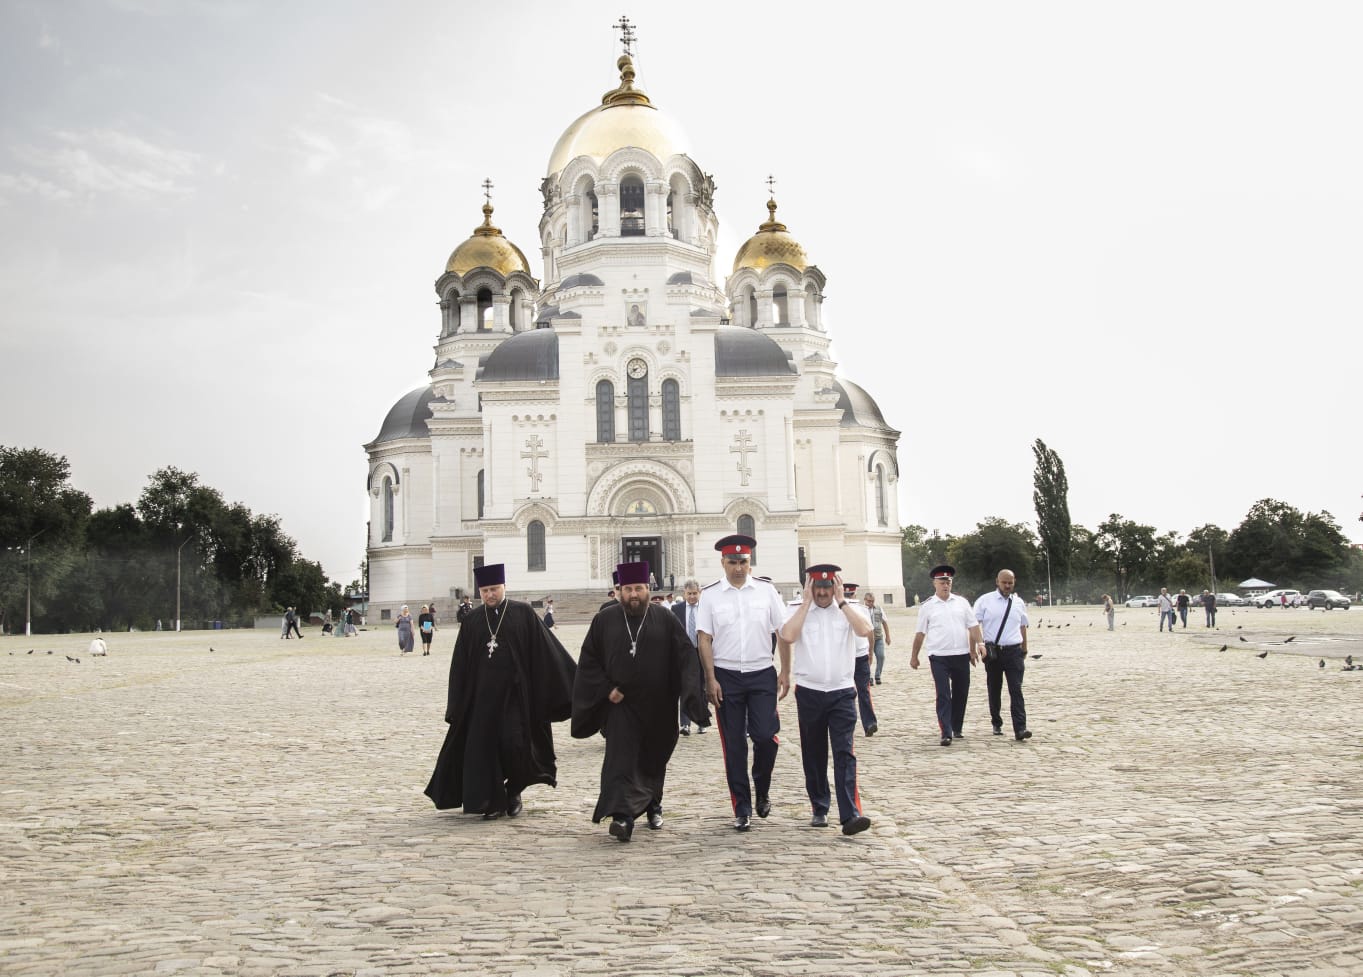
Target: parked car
(1296, 600)
(1143, 602)
(1230, 600)
(1274, 598)
(1328, 599)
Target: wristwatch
(842, 605)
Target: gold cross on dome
(487, 189)
(627, 36)
(771, 185)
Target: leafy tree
(995, 545)
(1287, 547)
(1050, 497)
(919, 553)
(1129, 555)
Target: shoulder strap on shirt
(1005, 619)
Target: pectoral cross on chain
(491, 645)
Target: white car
(1230, 600)
(1274, 598)
(1145, 601)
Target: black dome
(530, 355)
(858, 409)
(575, 281)
(408, 417)
(743, 352)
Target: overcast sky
(1132, 230)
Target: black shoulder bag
(991, 650)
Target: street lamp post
(1050, 594)
(28, 582)
(178, 551)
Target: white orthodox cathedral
(630, 406)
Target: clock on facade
(637, 368)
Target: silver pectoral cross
(633, 648)
(492, 646)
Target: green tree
(919, 553)
(1287, 547)
(1050, 497)
(1129, 555)
(995, 545)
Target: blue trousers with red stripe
(861, 675)
(829, 718)
(748, 710)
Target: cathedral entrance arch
(649, 548)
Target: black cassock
(641, 730)
(499, 708)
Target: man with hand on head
(1003, 622)
(509, 680)
(821, 636)
(636, 666)
(948, 630)
(738, 618)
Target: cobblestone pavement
(257, 809)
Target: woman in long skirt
(404, 626)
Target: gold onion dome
(625, 117)
(487, 249)
(771, 245)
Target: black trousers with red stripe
(748, 710)
(829, 718)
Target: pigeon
(1243, 638)
(70, 659)
(1348, 659)
(1067, 624)
(1322, 663)
(1223, 648)
(1036, 656)
(1288, 641)
(1239, 627)
(30, 651)
(49, 651)
(1262, 654)
(210, 649)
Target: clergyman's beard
(635, 606)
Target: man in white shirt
(1003, 621)
(823, 638)
(1166, 609)
(948, 630)
(738, 619)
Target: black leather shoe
(958, 734)
(819, 821)
(514, 806)
(871, 729)
(856, 825)
(742, 823)
(998, 730)
(1026, 734)
(946, 740)
(621, 829)
(763, 805)
(655, 820)
(685, 731)
(493, 815)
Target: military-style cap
(736, 545)
(942, 570)
(822, 575)
(849, 589)
(490, 575)
(627, 573)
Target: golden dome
(771, 245)
(487, 249)
(625, 117)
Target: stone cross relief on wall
(743, 446)
(534, 443)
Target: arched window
(387, 510)
(671, 221)
(746, 527)
(752, 309)
(671, 411)
(631, 207)
(485, 313)
(779, 306)
(481, 483)
(881, 517)
(534, 546)
(512, 309)
(450, 308)
(596, 213)
(605, 412)
(637, 391)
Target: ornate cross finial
(771, 185)
(626, 30)
(487, 190)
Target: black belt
(990, 644)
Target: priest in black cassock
(509, 679)
(636, 665)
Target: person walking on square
(636, 668)
(1110, 612)
(1209, 607)
(819, 639)
(686, 610)
(291, 623)
(425, 623)
(881, 638)
(404, 626)
(1003, 623)
(1166, 609)
(739, 616)
(1182, 602)
(549, 613)
(510, 678)
(861, 674)
(948, 630)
